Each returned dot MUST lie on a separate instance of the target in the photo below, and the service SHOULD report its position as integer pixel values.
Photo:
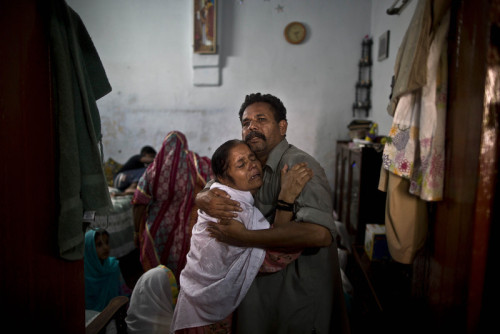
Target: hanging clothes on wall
(416, 147)
(410, 66)
(78, 80)
(413, 158)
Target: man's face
(260, 130)
(147, 158)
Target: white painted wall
(146, 49)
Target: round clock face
(295, 32)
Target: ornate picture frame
(205, 26)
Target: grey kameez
(306, 296)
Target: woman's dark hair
(220, 161)
(99, 232)
(277, 106)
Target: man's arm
(217, 203)
(314, 227)
(293, 234)
(293, 181)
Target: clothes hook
(396, 10)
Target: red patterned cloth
(168, 188)
(277, 260)
(221, 327)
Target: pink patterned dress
(168, 189)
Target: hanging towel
(78, 80)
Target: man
(142, 160)
(307, 296)
(127, 177)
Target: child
(103, 278)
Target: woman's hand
(218, 204)
(293, 181)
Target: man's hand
(218, 204)
(228, 231)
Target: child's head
(101, 239)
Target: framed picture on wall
(205, 26)
(383, 46)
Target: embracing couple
(278, 272)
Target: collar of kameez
(276, 154)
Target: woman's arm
(139, 211)
(129, 191)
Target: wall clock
(295, 32)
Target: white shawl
(217, 276)
(151, 303)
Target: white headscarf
(151, 304)
(217, 276)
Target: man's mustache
(254, 134)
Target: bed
(119, 223)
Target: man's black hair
(220, 159)
(277, 106)
(147, 150)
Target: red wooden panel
(452, 248)
(39, 290)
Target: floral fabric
(416, 149)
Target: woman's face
(102, 246)
(244, 169)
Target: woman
(103, 278)
(164, 203)
(217, 276)
(152, 302)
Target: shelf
(365, 63)
(364, 83)
(361, 107)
